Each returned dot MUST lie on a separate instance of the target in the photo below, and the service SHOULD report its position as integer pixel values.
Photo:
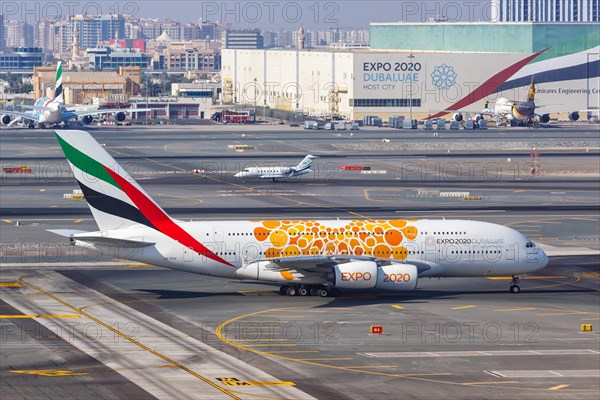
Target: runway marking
(558, 387)
(48, 316)
(10, 284)
(220, 332)
(398, 307)
(237, 382)
(584, 219)
(590, 319)
(294, 351)
(48, 372)
(480, 353)
(516, 309)
(372, 366)
(128, 338)
(462, 307)
(546, 373)
(566, 313)
(326, 359)
(488, 383)
(262, 340)
(8, 221)
(267, 322)
(271, 345)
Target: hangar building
(424, 69)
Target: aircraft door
(250, 252)
(218, 236)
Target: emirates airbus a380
(315, 257)
(52, 111)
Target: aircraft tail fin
(115, 199)
(58, 87)
(531, 91)
(306, 163)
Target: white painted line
(577, 373)
(491, 353)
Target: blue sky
(270, 14)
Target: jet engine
(545, 118)
(119, 117)
(457, 117)
(368, 275)
(5, 119)
(87, 119)
(573, 116)
(478, 117)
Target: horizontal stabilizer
(113, 242)
(65, 232)
(94, 238)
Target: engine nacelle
(545, 118)
(457, 117)
(368, 275)
(478, 117)
(87, 119)
(573, 116)
(397, 277)
(119, 117)
(5, 119)
(355, 275)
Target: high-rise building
(93, 30)
(2, 32)
(152, 28)
(45, 35)
(544, 10)
(242, 39)
(18, 34)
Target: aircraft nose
(238, 175)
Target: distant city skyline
(265, 14)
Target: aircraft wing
(35, 107)
(322, 263)
(76, 114)
(27, 115)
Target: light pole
(255, 96)
(410, 57)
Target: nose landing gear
(514, 287)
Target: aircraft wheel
(323, 292)
(283, 289)
(303, 291)
(314, 291)
(291, 291)
(515, 289)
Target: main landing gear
(306, 290)
(514, 287)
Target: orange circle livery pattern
(377, 238)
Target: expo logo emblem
(356, 276)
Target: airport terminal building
(424, 68)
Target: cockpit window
(529, 245)
(246, 170)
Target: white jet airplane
(52, 111)
(275, 173)
(315, 257)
